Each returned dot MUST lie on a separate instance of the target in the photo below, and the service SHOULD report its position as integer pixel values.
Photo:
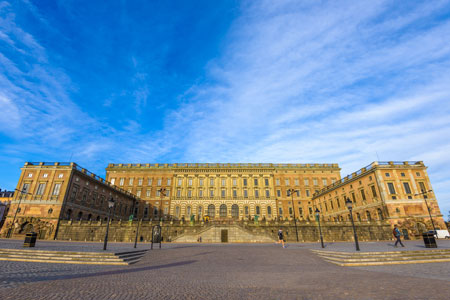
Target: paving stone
(218, 271)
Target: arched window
(269, 210)
(98, 218)
(200, 211)
(211, 210)
(280, 211)
(177, 211)
(369, 217)
(69, 214)
(89, 217)
(80, 216)
(155, 211)
(258, 210)
(358, 217)
(380, 214)
(223, 211)
(188, 211)
(246, 210)
(235, 211)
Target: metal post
(354, 231)
(10, 231)
(107, 230)
(291, 191)
(136, 237)
(429, 213)
(320, 231)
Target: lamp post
(349, 205)
(291, 193)
(320, 228)
(162, 192)
(23, 191)
(424, 193)
(110, 206)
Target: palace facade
(399, 192)
(50, 192)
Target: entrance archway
(235, 211)
(223, 211)
(211, 211)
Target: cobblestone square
(225, 271)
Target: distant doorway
(224, 235)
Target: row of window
(45, 175)
(223, 181)
(41, 188)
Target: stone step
(121, 258)
(381, 263)
(368, 259)
(368, 255)
(381, 252)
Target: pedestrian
(281, 238)
(397, 234)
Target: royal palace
(54, 195)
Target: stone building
(224, 191)
(5, 201)
(50, 192)
(399, 192)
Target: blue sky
(225, 81)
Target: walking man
(281, 238)
(397, 235)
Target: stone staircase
(351, 259)
(66, 257)
(213, 234)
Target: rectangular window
(74, 193)
(387, 175)
(211, 182)
(422, 187)
(278, 193)
(140, 181)
(41, 188)
(222, 193)
(56, 189)
(113, 180)
(307, 193)
(200, 193)
(306, 181)
(297, 192)
(234, 181)
(178, 193)
(149, 181)
(211, 193)
(324, 181)
(169, 181)
(315, 181)
(310, 211)
(234, 193)
(246, 210)
(286, 181)
(130, 182)
(391, 188)
(407, 188)
(290, 210)
(180, 181)
(374, 191)
(256, 193)
(189, 193)
(353, 198)
(148, 192)
(333, 180)
(296, 182)
(122, 180)
(224, 182)
(159, 182)
(158, 193)
(280, 211)
(245, 193)
(300, 211)
(245, 181)
(267, 194)
(201, 182)
(167, 193)
(363, 195)
(190, 181)
(266, 181)
(138, 193)
(256, 181)
(277, 181)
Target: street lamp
(162, 192)
(320, 228)
(428, 207)
(291, 193)
(349, 205)
(23, 191)
(110, 206)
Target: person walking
(281, 238)
(397, 235)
